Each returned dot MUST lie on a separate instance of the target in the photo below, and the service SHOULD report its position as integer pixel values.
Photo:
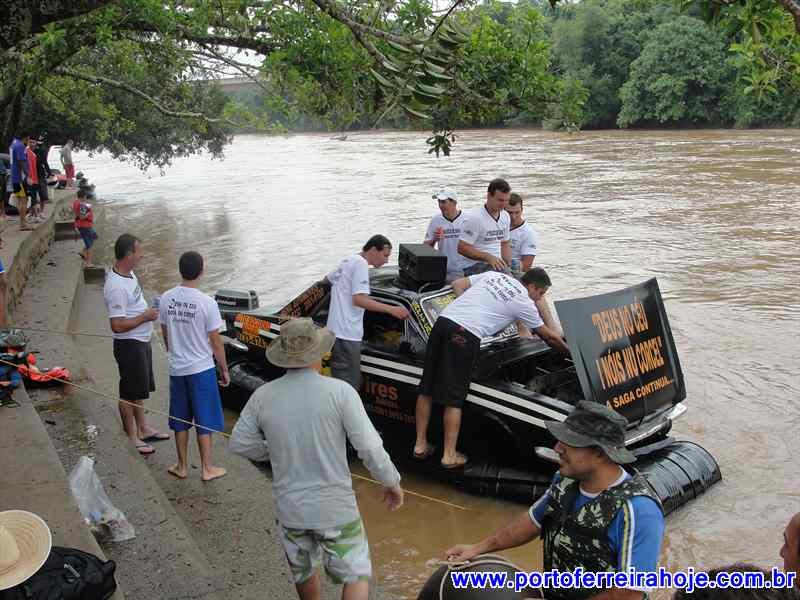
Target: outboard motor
(440, 585)
(233, 301)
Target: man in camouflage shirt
(594, 516)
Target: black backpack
(67, 574)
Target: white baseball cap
(445, 194)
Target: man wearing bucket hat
(25, 543)
(301, 423)
(595, 515)
(444, 230)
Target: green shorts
(343, 551)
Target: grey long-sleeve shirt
(300, 422)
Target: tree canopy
(136, 77)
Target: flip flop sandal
(143, 449)
(459, 464)
(156, 437)
(429, 451)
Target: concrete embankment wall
(32, 476)
(28, 247)
(214, 540)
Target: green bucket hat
(594, 424)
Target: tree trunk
(13, 118)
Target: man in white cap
(25, 543)
(301, 423)
(444, 230)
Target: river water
(712, 214)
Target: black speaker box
(422, 263)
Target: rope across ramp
(166, 414)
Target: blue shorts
(2, 268)
(195, 398)
(88, 235)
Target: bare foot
(177, 471)
(456, 462)
(213, 473)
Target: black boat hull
(677, 471)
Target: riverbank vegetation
(136, 77)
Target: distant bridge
(234, 84)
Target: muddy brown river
(712, 214)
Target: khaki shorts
(343, 551)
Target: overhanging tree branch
(23, 18)
(330, 8)
(121, 85)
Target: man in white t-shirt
(444, 231)
(524, 239)
(485, 304)
(349, 299)
(484, 244)
(190, 323)
(132, 324)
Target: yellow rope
(222, 433)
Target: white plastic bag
(107, 522)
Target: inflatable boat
(622, 354)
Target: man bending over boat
(485, 304)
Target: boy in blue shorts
(190, 322)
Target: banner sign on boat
(623, 349)
(303, 304)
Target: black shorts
(33, 193)
(450, 358)
(135, 362)
(44, 194)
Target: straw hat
(25, 543)
(300, 344)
